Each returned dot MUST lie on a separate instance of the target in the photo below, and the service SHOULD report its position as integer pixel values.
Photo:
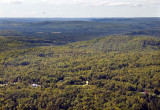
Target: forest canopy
(114, 72)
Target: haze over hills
(65, 31)
(108, 64)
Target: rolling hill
(73, 30)
(122, 73)
(119, 43)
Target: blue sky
(79, 8)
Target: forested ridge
(110, 73)
(64, 31)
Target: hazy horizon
(72, 17)
(79, 8)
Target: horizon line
(77, 17)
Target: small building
(34, 85)
(86, 82)
(145, 92)
(56, 32)
(1, 84)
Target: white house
(86, 82)
(34, 85)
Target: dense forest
(116, 72)
(63, 31)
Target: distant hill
(12, 43)
(119, 43)
(78, 29)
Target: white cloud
(87, 2)
(16, 2)
(3, 11)
(101, 2)
(12, 1)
